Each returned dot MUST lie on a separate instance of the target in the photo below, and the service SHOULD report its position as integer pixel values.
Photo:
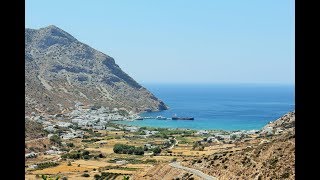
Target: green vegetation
(119, 168)
(91, 140)
(134, 161)
(46, 165)
(156, 150)
(44, 177)
(127, 149)
(77, 155)
(70, 144)
(285, 175)
(233, 137)
(85, 175)
(55, 139)
(108, 175)
(65, 149)
(198, 146)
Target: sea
(219, 106)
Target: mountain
(60, 71)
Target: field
(100, 157)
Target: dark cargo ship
(182, 118)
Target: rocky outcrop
(286, 122)
(266, 157)
(61, 71)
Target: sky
(182, 41)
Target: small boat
(182, 118)
(138, 118)
(161, 118)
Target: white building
(31, 155)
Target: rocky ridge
(60, 71)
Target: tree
(127, 149)
(139, 151)
(97, 176)
(55, 139)
(233, 137)
(44, 177)
(70, 144)
(85, 175)
(156, 150)
(85, 153)
(86, 157)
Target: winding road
(193, 171)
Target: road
(193, 171)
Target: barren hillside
(60, 71)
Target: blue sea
(219, 106)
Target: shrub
(97, 176)
(285, 175)
(233, 137)
(85, 175)
(101, 156)
(44, 177)
(55, 139)
(127, 149)
(156, 150)
(85, 153)
(72, 155)
(70, 144)
(46, 165)
(69, 163)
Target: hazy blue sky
(207, 41)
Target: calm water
(227, 107)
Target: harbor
(164, 118)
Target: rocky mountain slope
(61, 71)
(271, 156)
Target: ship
(182, 118)
(161, 118)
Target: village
(83, 141)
